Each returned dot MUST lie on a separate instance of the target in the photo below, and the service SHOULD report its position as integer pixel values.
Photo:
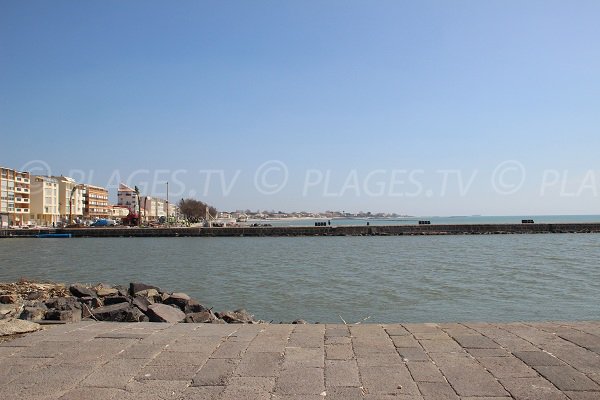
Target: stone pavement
(484, 361)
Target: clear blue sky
(102, 89)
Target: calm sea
(324, 279)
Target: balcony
(22, 200)
(22, 210)
(21, 190)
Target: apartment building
(70, 198)
(127, 197)
(15, 202)
(95, 202)
(154, 208)
(44, 210)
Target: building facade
(15, 200)
(154, 208)
(44, 201)
(70, 199)
(127, 197)
(95, 202)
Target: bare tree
(195, 210)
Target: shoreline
(282, 231)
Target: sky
(418, 108)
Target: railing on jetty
(354, 230)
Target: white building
(44, 201)
(127, 197)
(70, 198)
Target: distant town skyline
(429, 108)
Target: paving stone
(230, 350)
(260, 364)
(532, 389)
(248, 388)
(337, 331)
(467, 377)
(583, 395)
(95, 393)
(142, 351)
(507, 367)
(201, 393)
(389, 359)
(405, 341)
(339, 352)
(114, 374)
(425, 372)
(478, 353)
(47, 381)
(476, 342)
(205, 345)
(215, 372)
(437, 391)
(300, 381)
(344, 393)
(383, 380)
(179, 372)
(338, 340)
(582, 359)
(304, 357)
(538, 358)
(567, 378)
(166, 358)
(307, 341)
(412, 354)
(154, 389)
(440, 346)
(341, 373)
(396, 330)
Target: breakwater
(355, 230)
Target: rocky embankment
(58, 303)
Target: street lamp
(168, 222)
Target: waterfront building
(70, 199)
(44, 201)
(95, 202)
(118, 212)
(154, 207)
(127, 197)
(15, 202)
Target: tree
(195, 210)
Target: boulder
(34, 313)
(91, 302)
(180, 300)
(115, 300)
(78, 290)
(194, 307)
(200, 317)
(120, 312)
(141, 303)
(37, 295)
(151, 294)
(10, 298)
(236, 317)
(63, 303)
(63, 315)
(8, 311)
(135, 287)
(105, 291)
(165, 313)
(299, 322)
(16, 326)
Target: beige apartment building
(70, 199)
(15, 202)
(95, 202)
(44, 201)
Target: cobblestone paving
(468, 361)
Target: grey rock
(35, 295)
(64, 315)
(236, 317)
(33, 313)
(115, 300)
(141, 303)
(11, 298)
(165, 313)
(78, 290)
(107, 291)
(200, 317)
(16, 326)
(135, 287)
(91, 302)
(120, 312)
(63, 303)
(194, 307)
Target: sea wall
(364, 230)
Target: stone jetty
(46, 303)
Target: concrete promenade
(484, 361)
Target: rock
(11, 298)
(104, 291)
(8, 311)
(142, 303)
(115, 300)
(236, 317)
(16, 326)
(36, 295)
(64, 315)
(165, 313)
(200, 317)
(78, 290)
(63, 303)
(138, 287)
(33, 313)
(299, 322)
(150, 293)
(182, 301)
(120, 312)
(194, 307)
(91, 302)
(218, 321)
